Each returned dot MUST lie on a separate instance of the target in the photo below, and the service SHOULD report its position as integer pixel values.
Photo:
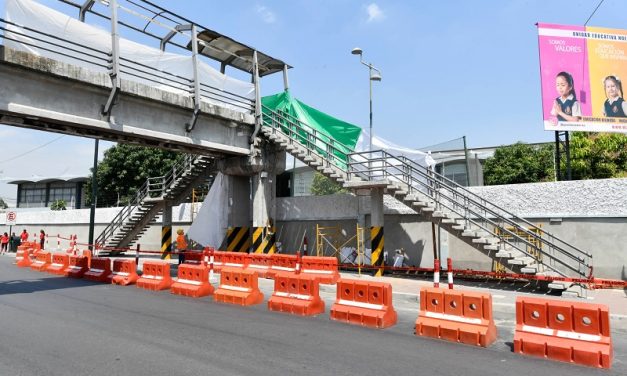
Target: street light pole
(372, 77)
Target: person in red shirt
(24, 236)
(4, 243)
(42, 238)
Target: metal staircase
(512, 241)
(135, 218)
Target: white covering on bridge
(33, 15)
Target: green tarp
(347, 134)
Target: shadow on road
(25, 286)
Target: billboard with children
(581, 69)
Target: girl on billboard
(615, 105)
(566, 107)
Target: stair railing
(472, 209)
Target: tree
(125, 168)
(322, 185)
(519, 163)
(598, 155)
(3, 205)
(58, 205)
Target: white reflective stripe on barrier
(436, 277)
(253, 266)
(189, 282)
(450, 278)
(561, 333)
(75, 267)
(123, 274)
(92, 270)
(152, 276)
(360, 304)
(235, 288)
(444, 316)
(232, 264)
(56, 265)
(295, 296)
(283, 268)
(316, 271)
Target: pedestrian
(15, 242)
(181, 245)
(42, 238)
(4, 243)
(24, 236)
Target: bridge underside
(44, 94)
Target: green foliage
(124, 170)
(58, 205)
(3, 205)
(519, 163)
(598, 155)
(322, 185)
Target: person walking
(42, 238)
(24, 236)
(4, 243)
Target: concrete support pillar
(376, 230)
(238, 232)
(264, 211)
(166, 230)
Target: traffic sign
(11, 218)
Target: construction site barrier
(217, 260)
(42, 260)
(364, 303)
(282, 263)
(325, 268)
(124, 272)
(99, 270)
(193, 257)
(22, 258)
(87, 253)
(297, 294)
(238, 286)
(565, 331)
(77, 266)
(193, 281)
(260, 263)
(456, 316)
(59, 263)
(156, 276)
(234, 260)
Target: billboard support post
(562, 149)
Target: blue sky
(450, 68)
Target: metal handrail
(325, 147)
(443, 190)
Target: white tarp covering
(33, 15)
(378, 143)
(209, 226)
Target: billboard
(582, 71)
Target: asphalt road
(52, 325)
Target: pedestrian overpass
(50, 94)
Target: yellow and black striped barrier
(237, 239)
(264, 243)
(376, 244)
(166, 242)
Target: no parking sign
(11, 218)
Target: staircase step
(439, 214)
(529, 270)
(427, 209)
(491, 247)
(504, 254)
(469, 234)
(449, 221)
(459, 227)
(481, 241)
(558, 285)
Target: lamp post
(374, 75)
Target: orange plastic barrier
(565, 331)
(457, 316)
(59, 263)
(22, 258)
(217, 260)
(99, 270)
(156, 276)
(260, 263)
(281, 264)
(42, 260)
(234, 260)
(77, 266)
(298, 294)
(364, 303)
(325, 268)
(193, 281)
(124, 272)
(238, 286)
(193, 257)
(87, 253)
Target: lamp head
(356, 51)
(375, 76)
